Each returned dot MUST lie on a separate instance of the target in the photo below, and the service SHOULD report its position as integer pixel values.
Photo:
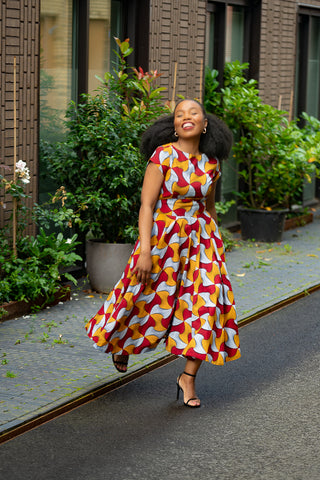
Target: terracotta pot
(106, 263)
(262, 225)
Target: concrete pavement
(46, 360)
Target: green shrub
(99, 164)
(32, 266)
(36, 271)
(273, 155)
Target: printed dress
(188, 302)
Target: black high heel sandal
(180, 388)
(117, 363)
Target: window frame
(303, 33)
(251, 34)
(251, 54)
(80, 48)
(135, 14)
(303, 22)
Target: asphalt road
(259, 419)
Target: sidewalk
(46, 359)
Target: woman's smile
(189, 119)
(187, 125)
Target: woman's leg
(187, 382)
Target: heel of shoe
(178, 390)
(187, 404)
(178, 386)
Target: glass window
(234, 50)
(59, 44)
(55, 65)
(99, 41)
(105, 23)
(55, 80)
(313, 72)
(62, 45)
(234, 34)
(307, 85)
(210, 58)
(226, 33)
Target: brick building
(60, 45)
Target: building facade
(61, 46)
(20, 40)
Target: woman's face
(189, 120)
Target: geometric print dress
(188, 301)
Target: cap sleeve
(161, 157)
(217, 172)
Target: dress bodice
(187, 181)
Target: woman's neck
(188, 146)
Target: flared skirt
(188, 302)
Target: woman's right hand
(143, 268)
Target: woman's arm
(152, 183)
(210, 203)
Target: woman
(175, 286)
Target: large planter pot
(262, 225)
(106, 263)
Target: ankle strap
(190, 374)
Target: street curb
(83, 399)
(114, 384)
(277, 306)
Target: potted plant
(100, 165)
(274, 156)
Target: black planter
(262, 225)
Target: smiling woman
(189, 122)
(175, 286)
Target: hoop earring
(204, 130)
(175, 134)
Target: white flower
(69, 240)
(23, 171)
(21, 166)
(25, 179)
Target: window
(76, 43)
(105, 23)
(77, 46)
(55, 65)
(235, 17)
(307, 87)
(308, 65)
(233, 30)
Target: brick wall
(19, 36)
(177, 34)
(278, 50)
